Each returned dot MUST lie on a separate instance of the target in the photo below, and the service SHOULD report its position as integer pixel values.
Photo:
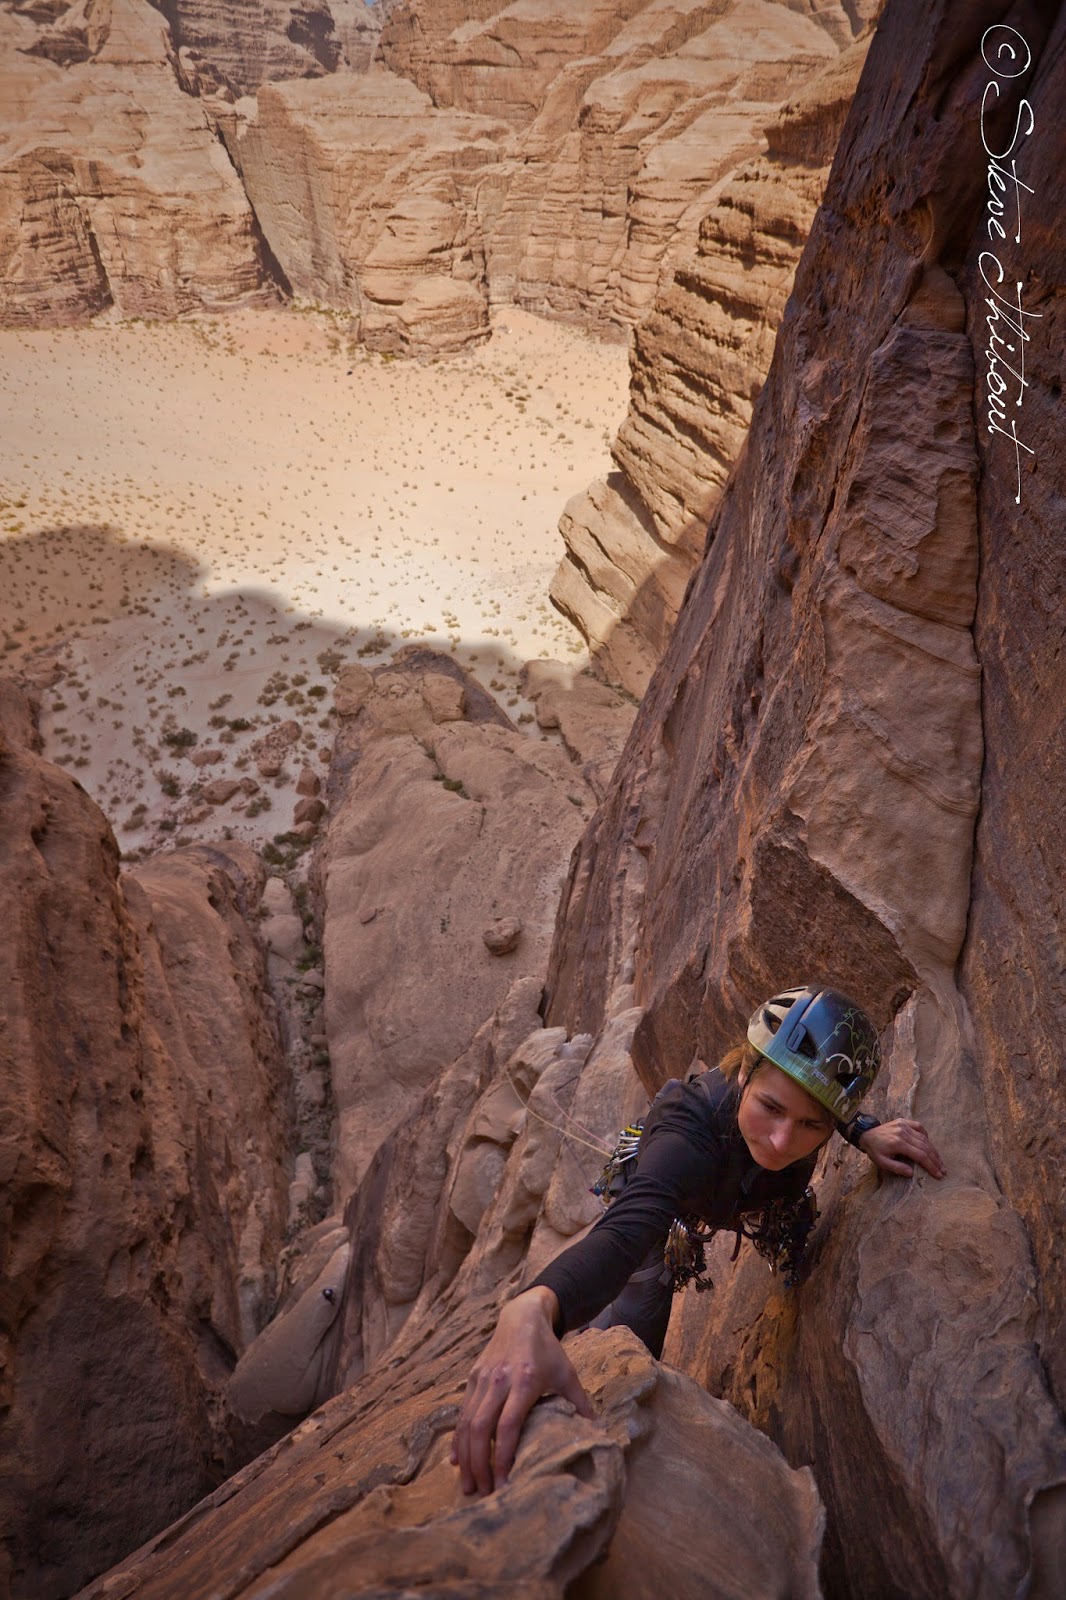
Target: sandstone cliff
(144, 1160)
(554, 155)
(449, 835)
(801, 792)
(840, 766)
(364, 193)
(234, 49)
(114, 192)
(699, 359)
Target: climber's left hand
(901, 1145)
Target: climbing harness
(779, 1231)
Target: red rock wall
(143, 1139)
(1014, 959)
(800, 795)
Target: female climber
(735, 1146)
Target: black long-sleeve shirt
(692, 1162)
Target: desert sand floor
(198, 520)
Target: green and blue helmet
(824, 1041)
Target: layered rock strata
(627, 120)
(114, 191)
(498, 60)
(629, 148)
(446, 823)
(553, 155)
(143, 1157)
(365, 195)
(799, 795)
(699, 359)
(234, 49)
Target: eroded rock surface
(237, 48)
(114, 191)
(367, 198)
(699, 360)
(556, 155)
(443, 818)
(361, 1499)
(143, 1155)
(800, 794)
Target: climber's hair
(742, 1061)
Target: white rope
(590, 1140)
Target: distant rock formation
(235, 49)
(555, 155)
(699, 360)
(144, 1152)
(114, 191)
(366, 196)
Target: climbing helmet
(824, 1041)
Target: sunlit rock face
(234, 48)
(800, 796)
(144, 1152)
(699, 360)
(366, 196)
(560, 157)
(115, 192)
(627, 119)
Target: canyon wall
(846, 764)
(364, 193)
(800, 795)
(233, 49)
(114, 191)
(556, 156)
(449, 835)
(698, 362)
(145, 1161)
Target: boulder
(350, 691)
(220, 790)
(502, 935)
(309, 811)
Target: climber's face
(779, 1121)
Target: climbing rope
(585, 1136)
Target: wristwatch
(861, 1123)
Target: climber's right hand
(521, 1362)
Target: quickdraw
(779, 1231)
(612, 1180)
(685, 1254)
